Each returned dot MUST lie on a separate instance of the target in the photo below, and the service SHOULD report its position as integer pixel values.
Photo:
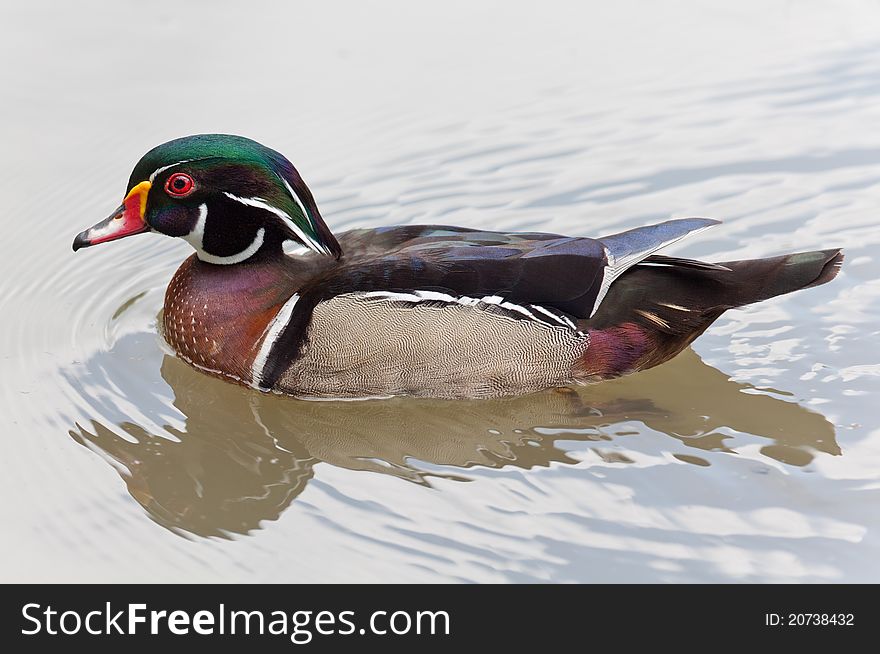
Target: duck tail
(655, 309)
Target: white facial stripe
(262, 204)
(302, 208)
(272, 332)
(164, 168)
(434, 296)
(196, 238)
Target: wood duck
(423, 310)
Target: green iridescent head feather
(254, 165)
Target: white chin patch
(196, 238)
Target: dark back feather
(556, 271)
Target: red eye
(179, 185)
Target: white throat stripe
(196, 238)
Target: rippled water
(753, 456)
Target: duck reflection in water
(243, 456)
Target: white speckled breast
(215, 316)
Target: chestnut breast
(215, 316)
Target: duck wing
(569, 274)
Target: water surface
(755, 455)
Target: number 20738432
(809, 619)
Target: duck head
(228, 196)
